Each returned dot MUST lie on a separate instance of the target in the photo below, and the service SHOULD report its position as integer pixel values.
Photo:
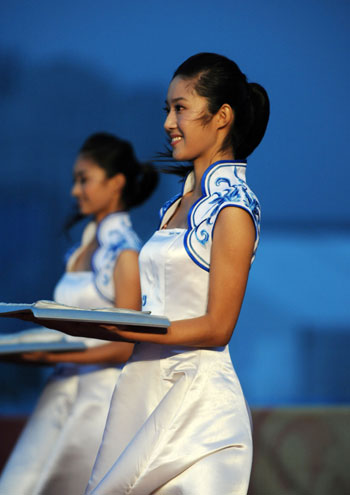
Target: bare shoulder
(234, 223)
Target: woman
(178, 421)
(58, 447)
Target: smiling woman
(96, 194)
(178, 421)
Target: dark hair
(220, 80)
(116, 156)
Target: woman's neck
(99, 217)
(201, 164)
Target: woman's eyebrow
(80, 173)
(175, 100)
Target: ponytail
(139, 184)
(260, 112)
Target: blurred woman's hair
(116, 156)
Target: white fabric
(78, 289)
(178, 421)
(57, 449)
(114, 235)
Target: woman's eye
(80, 181)
(178, 108)
(166, 110)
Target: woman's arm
(232, 248)
(116, 352)
(128, 296)
(127, 284)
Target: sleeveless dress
(58, 447)
(178, 421)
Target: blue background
(71, 68)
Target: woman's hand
(131, 333)
(87, 329)
(39, 357)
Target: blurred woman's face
(96, 194)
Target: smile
(175, 140)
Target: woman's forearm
(111, 353)
(203, 331)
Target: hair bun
(144, 182)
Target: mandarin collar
(238, 165)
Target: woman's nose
(170, 121)
(75, 190)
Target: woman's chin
(180, 157)
(84, 210)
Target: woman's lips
(175, 140)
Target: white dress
(58, 447)
(178, 421)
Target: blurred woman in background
(57, 449)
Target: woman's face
(191, 137)
(95, 193)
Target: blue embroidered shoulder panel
(114, 235)
(168, 205)
(223, 184)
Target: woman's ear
(225, 116)
(118, 181)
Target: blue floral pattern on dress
(114, 235)
(223, 184)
